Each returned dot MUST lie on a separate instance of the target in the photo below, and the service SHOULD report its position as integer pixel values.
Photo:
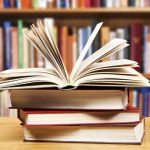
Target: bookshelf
(113, 17)
(107, 15)
(129, 12)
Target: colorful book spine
(20, 44)
(7, 45)
(136, 44)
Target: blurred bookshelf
(117, 18)
(131, 12)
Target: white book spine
(42, 3)
(25, 50)
(116, 3)
(73, 3)
(112, 36)
(120, 34)
(109, 3)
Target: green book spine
(35, 4)
(20, 44)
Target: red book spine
(136, 44)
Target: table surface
(11, 138)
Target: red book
(66, 117)
(136, 44)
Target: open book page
(113, 78)
(111, 47)
(36, 76)
(96, 67)
(85, 50)
(42, 41)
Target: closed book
(127, 50)
(66, 117)
(7, 45)
(6, 3)
(72, 99)
(108, 133)
(131, 2)
(35, 4)
(1, 49)
(136, 43)
(96, 43)
(25, 3)
(69, 58)
(20, 44)
(14, 43)
(105, 37)
(146, 55)
(63, 43)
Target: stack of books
(81, 115)
(89, 105)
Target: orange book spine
(70, 51)
(63, 43)
(131, 98)
(14, 33)
(26, 3)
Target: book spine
(7, 45)
(1, 49)
(96, 42)
(14, 47)
(6, 3)
(35, 4)
(18, 4)
(20, 44)
(136, 44)
(25, 3)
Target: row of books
(140, 98)
(72, 3)
(17, 52)
(81, 115)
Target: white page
(85, 49)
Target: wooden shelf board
(78, 13)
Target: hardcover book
(85, 99)
(80, 117)
(117, 133)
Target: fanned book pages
(90, 71)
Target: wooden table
(11, 138)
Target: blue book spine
(6, 3)
(145, 92)
(89, 32)
(7, 45)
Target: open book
(90, 71)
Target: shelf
(130, 12)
